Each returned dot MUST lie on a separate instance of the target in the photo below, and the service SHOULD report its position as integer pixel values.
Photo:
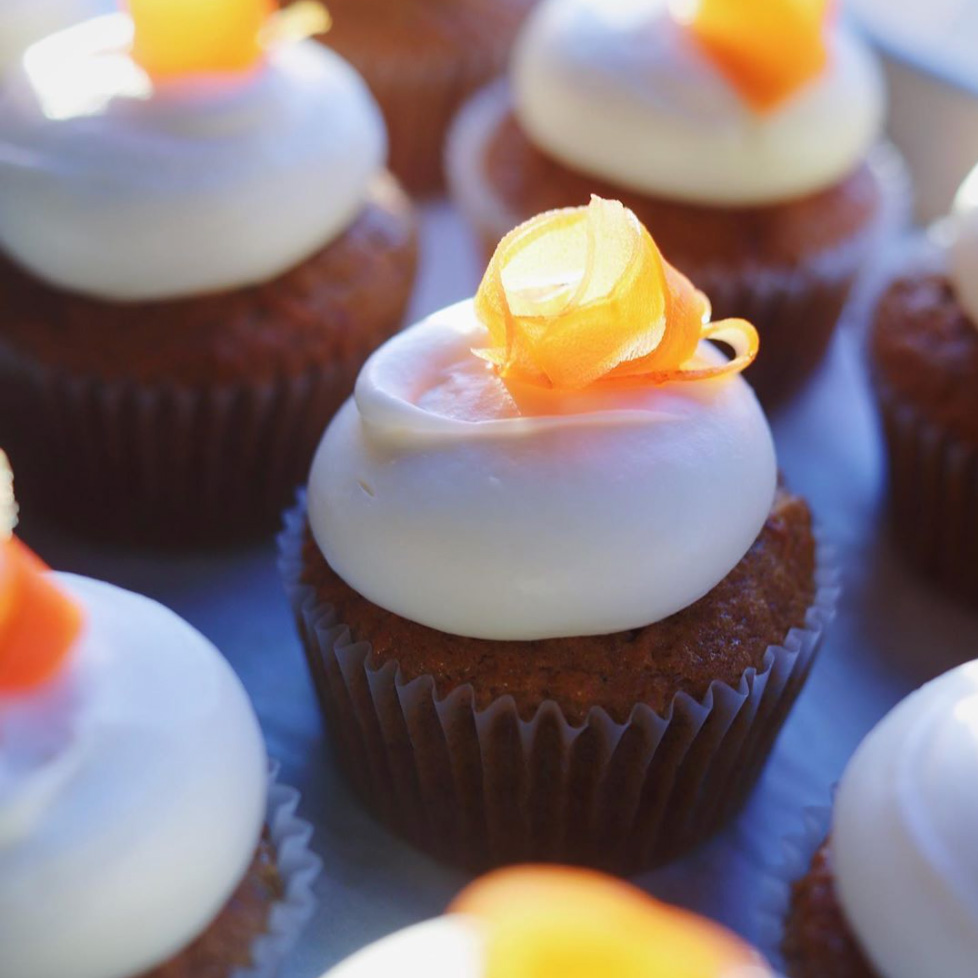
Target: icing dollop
(505, 511)
(125, 190)
(22, 22)
(963, 247)
(132, 795)
(903, 850)
(620, 90)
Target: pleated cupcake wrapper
(482, 787)
(798, 851)
(933, 479)
(161, 464)
(420, 94)
(298, 868)
(795, 307)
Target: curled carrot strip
(544, 921)
(38, 621)
(581, 296)
(768, 49)
(180, 38)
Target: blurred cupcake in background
(924, 360)
(199, 246)
(745, 133)
(422, 59)
(22, 22)
(893, 891)
(554, 602)
(139, 834)
(543, 922)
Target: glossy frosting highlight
(132, 796)
(963, 246)
(22, 22)
(508, 512)
(618, 89)
(903, 850)
(125, 190)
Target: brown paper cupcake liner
(162, 465)
(420, 91)
(480, 788)
(933, 480)
(795, 308)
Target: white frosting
(617, 89)
(132, 796)
(446, 947)
(440, 497)
(115, 188)
(22, 22)
(963, 248)
(903, 841)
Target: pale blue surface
(892, 634)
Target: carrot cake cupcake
(924, 359)
(553, 600)
(422, 59)
(199, 246)
(138, 832)
(538, 922)
(893, 893)
(744, 133)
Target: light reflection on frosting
(963, 246)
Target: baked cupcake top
(132, 776)
(22, 22)
(536, 922)
(722, 102)
(184, 149)
(565, 455)
(903, 852)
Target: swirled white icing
(120, 189)
(508, 512)
(132, 796)
(22, 22)
(616, 89)
(963, 249)
(903, 839)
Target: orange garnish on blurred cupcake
(544, 921)
(38, 621)
(768, 49)
(582, 295)
(176, 39)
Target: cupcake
(422, 59)
(139, 835)
(744, 134)
(22, 22)
(538, 922)
(924, 361)
(199, 246)
(554, 603)
(893, 892)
